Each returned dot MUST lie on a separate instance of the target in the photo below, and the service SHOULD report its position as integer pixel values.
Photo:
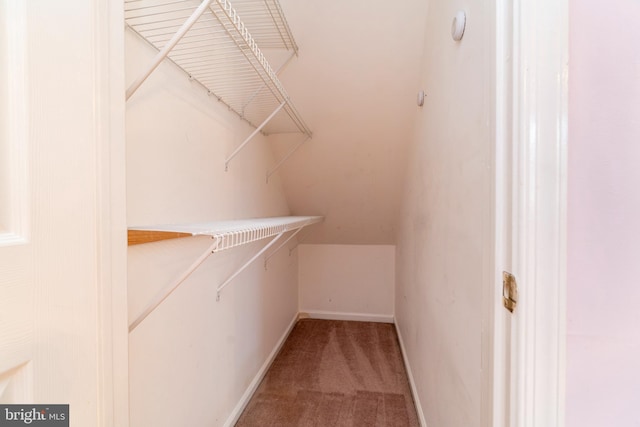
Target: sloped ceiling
(355, 83)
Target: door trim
(109, 122)
(540, 45)
(14, 218)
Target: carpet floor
(335, 373)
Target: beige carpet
(335, 373)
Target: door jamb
(497, 388)
(109, 121)
(532, 50)
(540, 45)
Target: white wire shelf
(210, 42)
(225, 235)
(228, 233)
(267, 22)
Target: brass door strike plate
(509, 291)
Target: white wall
(348, 281)
(603, 342)
(354, 82)
(193, 358)
(444, 243)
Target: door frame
(109, 137)
(532, 46)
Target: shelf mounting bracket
(254, 133)
(286, 157)
(280, 247)
(160, 56)
(247, 264)
(264, 85)
(174, 285)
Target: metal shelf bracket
(160, 56)
(268, 257)
(214, 47)
(174, 285)
(247, 264)
(225, 235)
(286, 157)
(254, 133)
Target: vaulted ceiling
(355, 82)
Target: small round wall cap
(458, 24)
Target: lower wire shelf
(225, 235)
(229, 233)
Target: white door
(57, 342)
(17, 306)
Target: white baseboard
(357, 317)
(246, 397)
(412, 383)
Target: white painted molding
(540, 85)
(495, 336)
(412, 382)
(356, 317)
(246, 397)
(16, 223)
(109, 139)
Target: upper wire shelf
(210, 42)
(268, 24)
